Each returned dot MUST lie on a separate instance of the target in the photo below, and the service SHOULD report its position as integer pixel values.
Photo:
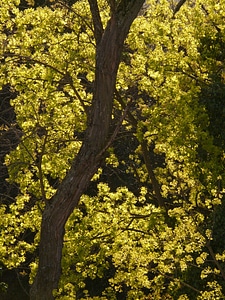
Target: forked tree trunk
(60, 207)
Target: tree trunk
(91, 154)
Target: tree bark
(91, 154)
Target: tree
(109, 44)
(155, 228)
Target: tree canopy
(112, 132)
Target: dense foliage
(151, 223)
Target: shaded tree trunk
(59, 208)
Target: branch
(40, 173)
(145, 152)
(155, 184)
(115, 132)
(66, 76)
(135, 230)
(129, 114)
(112, 4)
(178, 7)
(97, 22)
(215, 260)
(213, 23)
(181, 282)
(31, 60)
(20, 283)
(128, 10)
(70, 8)
(137, 216)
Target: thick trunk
(91, 154)
(53, 222)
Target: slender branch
(211, 252)
(40, 173)
(116, 174)
(137, 216)
(77, 14)
(181, 282)
(213, 23)
(178, 7)
(115, 132)
(215, 260)
(129, 114)
(70, 81)
(136, 230)
(85, 107)
(7, 197)
(20, 283)
(28, 151)
(98, 236)
(146, 156)
(151, 174)
(32, 60)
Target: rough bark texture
(57, 212)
